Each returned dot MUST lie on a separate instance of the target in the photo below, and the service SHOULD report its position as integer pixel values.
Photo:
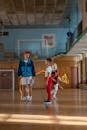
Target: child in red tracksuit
(52, 80)
(48, 79)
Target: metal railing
(77, 34)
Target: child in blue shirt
(26, 72)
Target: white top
(48, 71)
(26, 60)
(54, 67)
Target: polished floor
(68, 112)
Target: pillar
(74, 77)
(84, 68)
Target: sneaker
(29, 98)
(48, 102)
(54, 97)
(23, 99)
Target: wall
(65, 66)
(68, 65)
(76, 13)
(11, 41)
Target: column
(74, 77)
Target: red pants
(48, 88)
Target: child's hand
(20, 77)
(60, 87)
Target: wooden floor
(69, 112)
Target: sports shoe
(29, 98)
(54, 97)
(23, 98)
(48, 102)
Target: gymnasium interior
(47, 28)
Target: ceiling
(33, 12)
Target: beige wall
(65, 63)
